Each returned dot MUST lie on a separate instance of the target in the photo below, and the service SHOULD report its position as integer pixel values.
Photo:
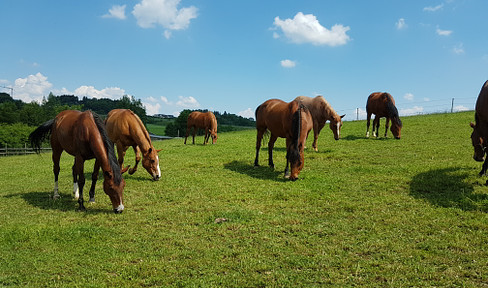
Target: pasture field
(366, 212)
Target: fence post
(357, 113)
(452, 104)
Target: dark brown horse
(126, 129)
(383, 105)
(83, 135)
(322, 112)
(292, 121)
(479, 136)
(206, 121)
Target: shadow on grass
(448, 188)
(261, 172)
(65, 203)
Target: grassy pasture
(366, 212)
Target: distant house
(164, 116)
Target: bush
(14, 134)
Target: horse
(383, 105)
(321, 112)
(126, 129)
(205, 121)
(479, 136)
(82, 135)
(292, 121)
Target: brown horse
(292, 121)
(383, 105)
(83, 135)
(479, 136)
(125, 129)
(321, 112)
(206, 121)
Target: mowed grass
(366, 212)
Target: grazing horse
(292, 121)
(205, 121)
(125, 129)
(383, 105)
(479, 136)
(83, 135)
(321, 112)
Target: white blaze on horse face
(159, 169)
(338, 129)
(76, 191)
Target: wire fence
(25, 150)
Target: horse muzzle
(119, 209)
(478, 159)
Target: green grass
(366, 212)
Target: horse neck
(141, 137)
(329, 112)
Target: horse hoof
(132, 171)
(91, 201)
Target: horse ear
(343, 116)
(158, 150)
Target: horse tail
(296, 125)
(109, 146)
(40, 134)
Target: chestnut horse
(292, 121)
(479, 136)
(83, 135)
(125, 129)
(321, 112)
(205, 121)
(383, 105)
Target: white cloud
(248, 113)
(152, 108)
(443, 32)
(187, 102)
(167, 34)
(408, 96)
(401, 24)
(460, 108)
(117, 12)
(458, 49)
(92, 92)
(165, 100)
(288, 63)
(433, 8)
(165, 13)
(307, 29)
(31, 88)
(411, 111)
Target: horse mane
(144, 130)
(294, 155)
(40, 134)
(392, 111)
(109, 146)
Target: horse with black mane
(83, 135)
(383, 105)
(292, 121)
(479, 136)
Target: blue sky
(233, 55)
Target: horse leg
(121, 149)
(387, 124)
(94, 178)
(271, 143)
(56, 157)
(287, 171)
(376, 126)
(205, 139)
(258, 146)
(195, 129)
(367, 124)
(484, 167)
(79, 165)
(187, 133)
(137, 151)
(76, 190)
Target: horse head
(335, 124)
(396, 127)
(214, 136)
(150, 162)
(478, 144)
(114, 188)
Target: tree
(178, 127)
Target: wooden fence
(10, 151)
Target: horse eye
(152, 161)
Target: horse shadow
(260, 172)
(448, 188)
(65, 203)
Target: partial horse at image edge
(291, 121)
(479, 136)
(82, 135)
(382, 104)
(126, 129)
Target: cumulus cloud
(248, 113)
(187, 102)
(307, 29)
(408, 96)
(411, 111)
(443, 32)
(433, 8)
(460, 108)
(117, 12)
(152, 105)
(31, 88)
(165, 13)
(458, 49)
(92, 92)
(288, 63)
(401, 24)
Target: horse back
(482, 104)
(275, 115)
(377, 103)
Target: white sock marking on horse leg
(56, 194)
(367, 134)
(76, 191)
